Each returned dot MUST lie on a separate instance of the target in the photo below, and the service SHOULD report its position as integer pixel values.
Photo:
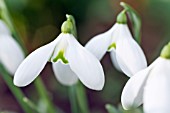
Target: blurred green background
(38, 22)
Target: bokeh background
(38, 22)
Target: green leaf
(135, 110)
(135, 19)
(111, 109)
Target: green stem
(82, 98)
(44, 95)
(15, 90)
(73, 100)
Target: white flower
(11, 54)
(126, 54)
(150, 86)
(70, 61)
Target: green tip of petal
(61, 57)
(121, 18)
(165, 53)
(67, 27)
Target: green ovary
(60, 56)
(165, 53)
(113, 45)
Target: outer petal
(114, 60)
(4, 29)
(11, 54)
(31, 67)
(130, 56)
(85, 65)
(157, 90)
(98, 45)
(132, 94)
(64, 74)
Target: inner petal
(60, 56)
(60, 50)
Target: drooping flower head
(150, 86)
(70, 62)
(11, 54)
(126, 54)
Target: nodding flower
(126, 55)
(150, 86)
(70, 62)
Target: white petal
(85, 65)
(132, 94)
(4, 29)
(31, 67)
(114, 60)
(157, 90)
(11, 54)
(98, 45)
(130, 56)
(64, 74)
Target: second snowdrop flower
(11, 54)
(126, 54)
(70, 61)
(150, 86)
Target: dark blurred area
(38, 22)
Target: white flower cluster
(71, 61)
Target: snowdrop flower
(70, 61)
(126, 54)
(11, 54)
(150, 86)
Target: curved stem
(44, 95)
(82, 98)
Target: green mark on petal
(60, 56)
(165, 53)
(113, 45)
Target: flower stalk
(44, 95)
(15, 90)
